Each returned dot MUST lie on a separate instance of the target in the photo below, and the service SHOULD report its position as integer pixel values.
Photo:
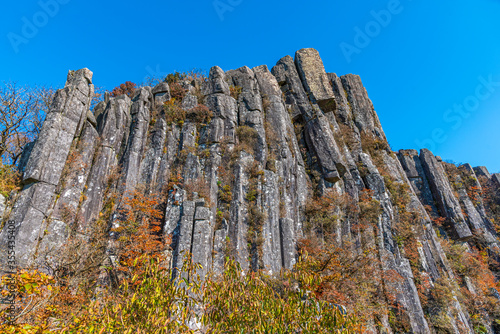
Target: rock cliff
(237, 182)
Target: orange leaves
(128, 88)
(140, 230)
(343, 277)
(200, 114)
(177, 91)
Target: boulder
(312, 72)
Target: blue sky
(431, 68)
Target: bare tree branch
(22, 111)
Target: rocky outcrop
(363, 112)
(312, 72)
(235, 180)
(43, 172)
(446, 200)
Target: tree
(22, 111)
(128, 88)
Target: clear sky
(432, 68)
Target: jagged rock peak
(243, 165)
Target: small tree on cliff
(128, 88)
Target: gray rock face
(151, 163)
(496, 179)
(250, 109)
(73, 184)
(44, 168)
(23, 160)
(217, 82)
(131, 159)
(161, 94)
(482, 171)
(319, 137)
(343, 110)
(271, 249)
(312, 72)
(3, 202)
(224, 124)
(290, 176)
(362, 108)
(295, 96)
(415, 172)
(447, 203)
(64, 120)
(113, 130)
(406, 293)
(223, 199)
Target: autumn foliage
(148, 298)
(128, 88)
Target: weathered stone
(224, 123)
(496, 179)
(185, 230)
(391, 258)
(482, 171)
(3, 203)
(113, 128)
(343, 110)
(131, 159)
(189, 102)
(412, 165)
(76, 176)
(63, 122)
(23, 160)
(202, 243)
(150, 164)
(167, 158)
(362, 109)
(288, 242)
(447, 203)
(216, 82)
(42, 173)
(202, 213)
(320, 140)
(288, 163)
(187, 136)
(161, 94)
(295, 96)
(29, 218)
(220, 248)
(250, 107)
(312, 72)
(271, 248)
(238, 222)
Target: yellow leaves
(10, 179)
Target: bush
(174, 113)
(177, 92)
(240, 303)
(128, 88)
(247, 138)
(200, 114)
(235, 91)
(175, 77)
(148, 300)
(10, 179)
